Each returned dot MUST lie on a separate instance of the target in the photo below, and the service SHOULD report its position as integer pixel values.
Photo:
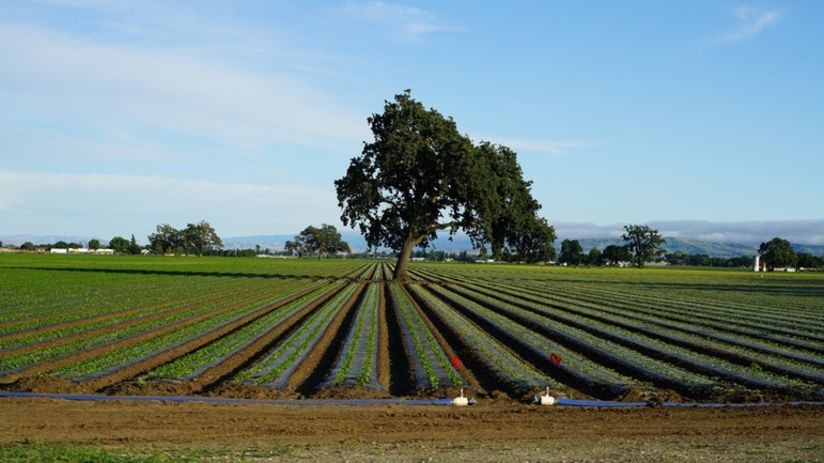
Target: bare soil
(491, 431)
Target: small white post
(545, 399)
(460, 401)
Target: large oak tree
(420, 176)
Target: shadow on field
(279, 276)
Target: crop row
(121, 357)
(193, 364)
(358, 363)
(275, 369)
(431, 368)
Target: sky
(118, 115)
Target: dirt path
(489, 432)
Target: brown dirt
(495, 431)
(350, 392)
(383, 340)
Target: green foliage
(594, 257)
(420, 175)
(643, 242)
(201, 236)
(166, 239)
(322, 241)
(119, 244)
(571, 252)
(94, 244)
(613, 254)
(809, 261)
(778, 253)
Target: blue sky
(119, 115)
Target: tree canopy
(643, 242)
(571, 252)
(778, 253)
(118, 244)
(419, 176)
(201, 236)
(166, 239)
(196, 237)
(322, 241)
(613, 254)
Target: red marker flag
(555, 359)
(456, 362)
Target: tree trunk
(403, 260)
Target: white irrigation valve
(545, 399)
(460, 401)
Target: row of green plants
(740, 323)
(358, 363)
(431, 367)
(702, 337)
(540, 346)
(117, 359)
(495, 356)
(119, 319)
(195, 363)
(92, 305)
(175, 315)
(274, 369)
(656, 350)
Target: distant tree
(60, 245)
(119, 244)
(166, 239)
(294, 247)
(27, 246)
(594, 256)
(201, 236)
(571, 252)
(778, 253)
(614, 254)
(322, 241)
(809, 261)
(643, 242)
(94, 244)
(420, 175)
(133, 247)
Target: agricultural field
(272, 328)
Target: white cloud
(750, 22)
(186, 90)
(91, 202)
(405, 22)
(553, 147)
